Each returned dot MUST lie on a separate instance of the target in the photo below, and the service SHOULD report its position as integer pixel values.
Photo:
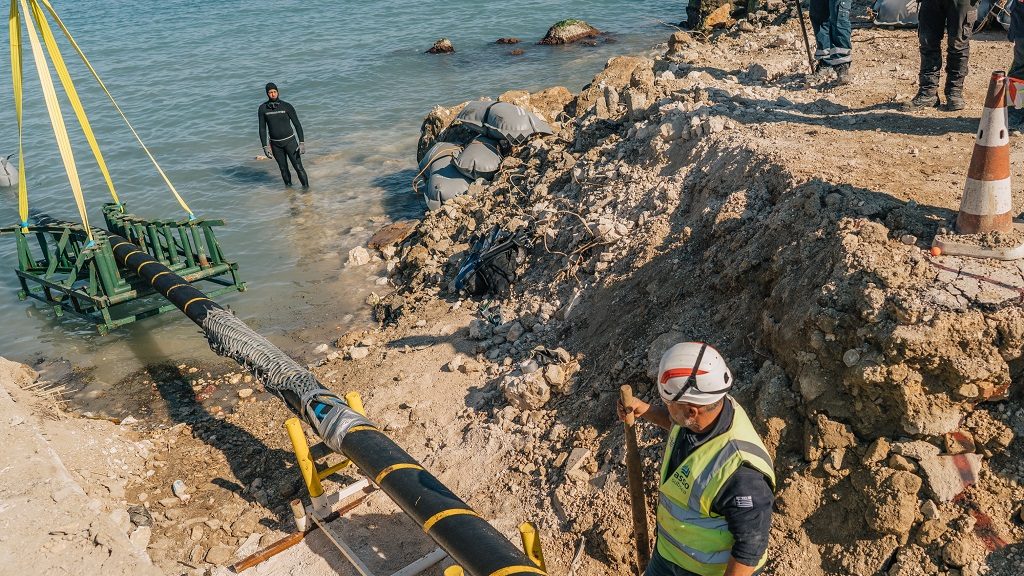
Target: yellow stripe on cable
(60, 131)
(517, 570)
(403, 466)
(60, 23)
(69, 89)
(361, 428)
(429, 523)
(187, 304)
(14, 27)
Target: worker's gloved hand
(636, 406)
(268, 151)
(302, 148)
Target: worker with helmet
(716, 487)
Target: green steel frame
(68, 275)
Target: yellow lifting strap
(69, 89)
(60, 130)
(14, 26)
(71, 40)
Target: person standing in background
(936, 18)
(830, 20)
(285, 143)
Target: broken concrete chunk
(554, 375)
(916, 449)
(219, 554)
(898, 462)
(577, 458)
(959, 442)
(877, 451)
(358, 352)
(527, 392)
(948, 476)
(929, 510)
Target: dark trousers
(830, 20)
(1017, 68)
(285, 151)
(954, 19)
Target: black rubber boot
(920, 102)
(954, 102)
(843, 74)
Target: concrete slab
(947, 476)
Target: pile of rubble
(660, 211)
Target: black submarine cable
(469, 539)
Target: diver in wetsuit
(285, 143)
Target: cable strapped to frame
(60, 130)
(81, 54)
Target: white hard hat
(693, 372)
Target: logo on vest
(681, 477)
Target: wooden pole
(807, 43)
(637, 500)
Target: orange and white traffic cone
(987, 202)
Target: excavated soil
(707, 194)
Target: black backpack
(491, 267)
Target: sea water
(190, 74)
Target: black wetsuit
(279, 116)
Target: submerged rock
(569, 31)
(507, 40)
(442, 46)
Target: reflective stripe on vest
(689, 534)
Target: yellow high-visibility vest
(690, 535)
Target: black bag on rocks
(491, 267)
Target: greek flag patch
(744, 501)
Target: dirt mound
(869, 362)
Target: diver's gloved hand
(302, 148)
(268, 152)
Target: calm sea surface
(190, 75)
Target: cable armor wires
(324, 410)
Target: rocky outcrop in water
(442, 46)
(569, 31)
(507, 40)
